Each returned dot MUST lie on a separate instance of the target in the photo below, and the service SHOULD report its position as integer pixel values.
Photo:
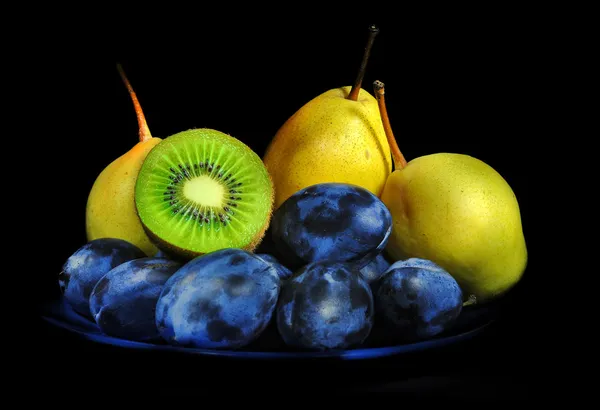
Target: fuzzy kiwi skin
(176, 253)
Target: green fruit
(335, 137)
(201, 190)
(460, 213)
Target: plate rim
(360, 353)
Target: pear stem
(472, 300)
(399, 160)
(373, 30)
(144, 130)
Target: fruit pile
(322, 284)
(194, 240)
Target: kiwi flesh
(202, 190)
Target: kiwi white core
(204, 191)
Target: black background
(454, 83)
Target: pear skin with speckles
(110, 209)
(459, 212)
(330, 139)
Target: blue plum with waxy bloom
(282, 271)
(326, 305)
(335, 222)
(220, 300)
(417, 299)
(123, 302)
(84, 268)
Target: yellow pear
(457, 211)
(335, 137)
(110, 210)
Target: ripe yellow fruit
(110, 209)
(330, 139)
(457, 211)
(335, 137)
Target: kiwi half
(202, 190)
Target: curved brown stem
(373, 30)
(144, 130)
(399, 160)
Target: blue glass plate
(471, 322)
